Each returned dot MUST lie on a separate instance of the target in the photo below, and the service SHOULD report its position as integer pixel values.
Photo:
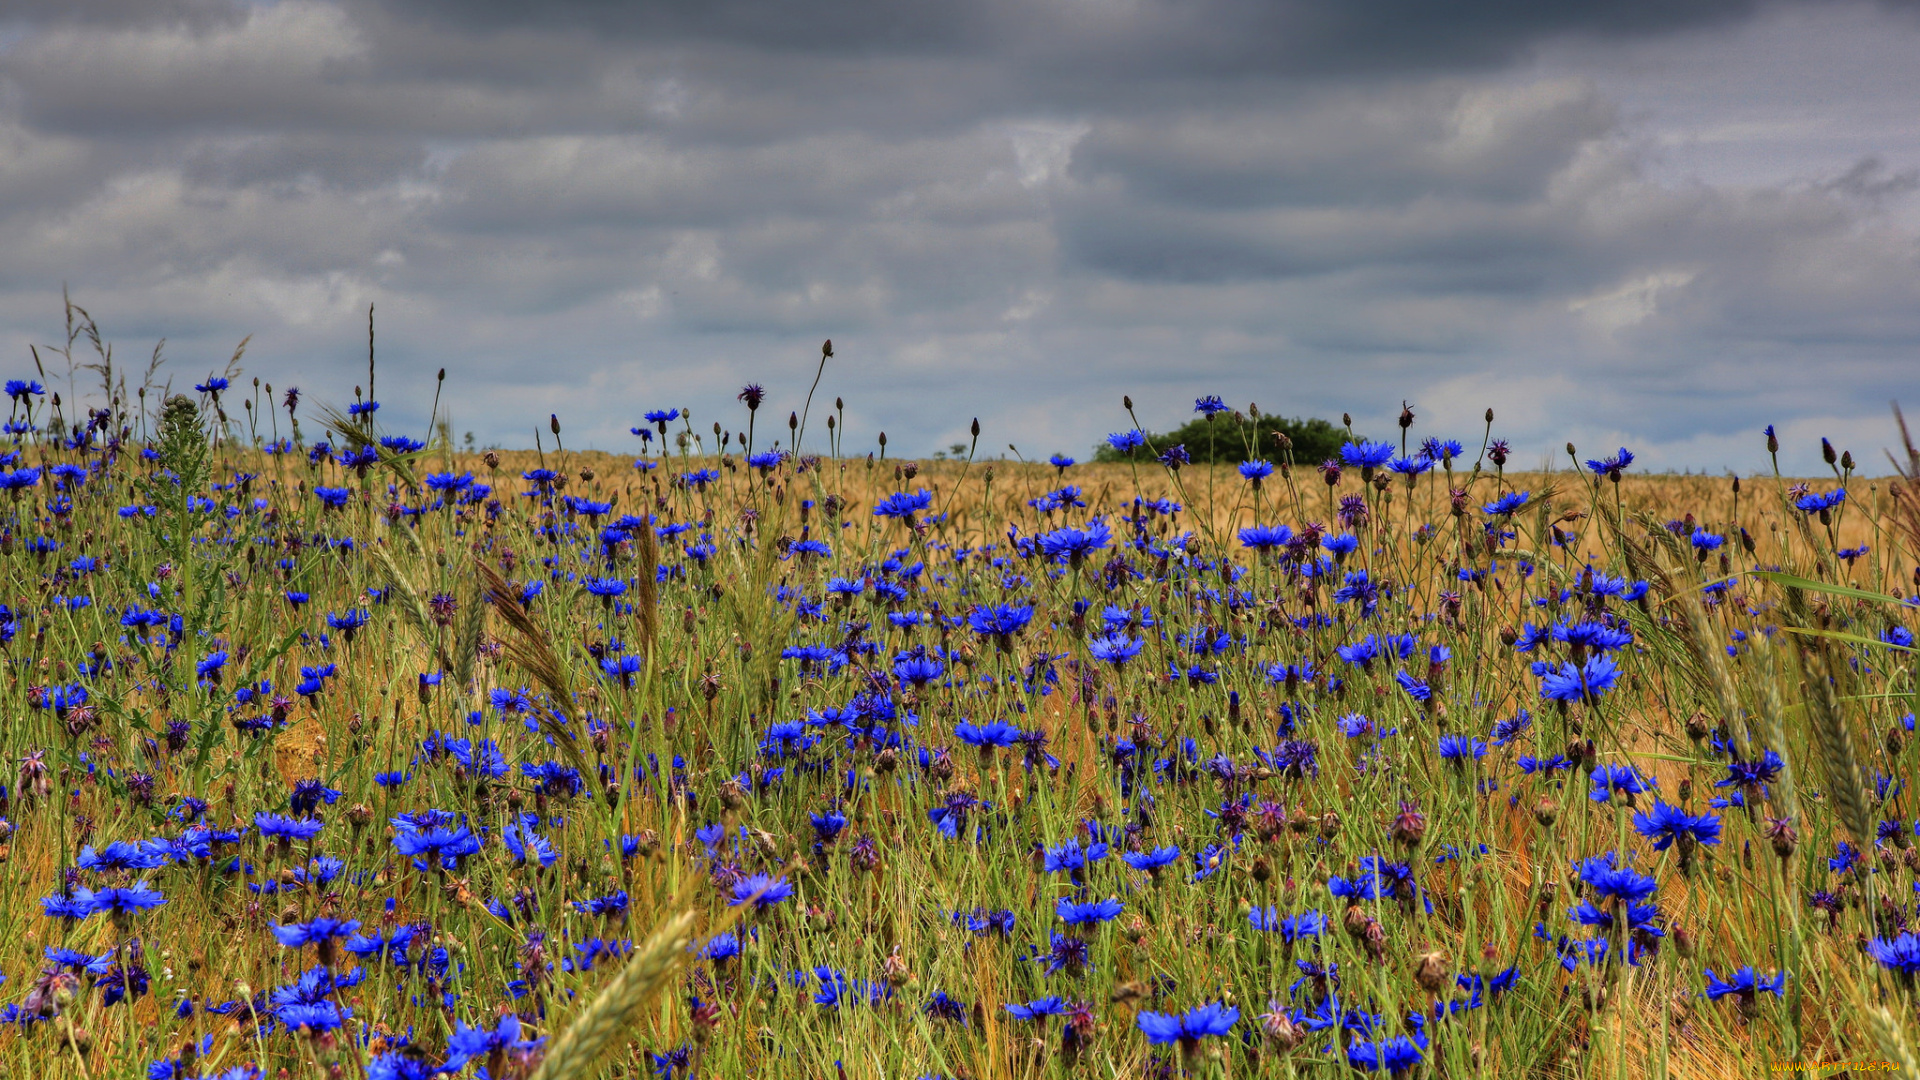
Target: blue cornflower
(808, 549)
(1152, 861)
(605, 588)
(1071, 857)
(122, 899)
(1901, 954)
(773, 890)
(1071, 545)
(510, 702)
(1508, 504)
(394, 1065)
(315, 932)
(917, 668)
(77, 961)
(443, 846)
(986, 736)
(1608, 876)
(1065, 952)
(1361, 653)
(1749, 775)
(903, 505)
(1419, 691)
(1820, 504)
(316, 1018)
(1289, 927)
(827, 826)
(1359, 586)
(60, 906)
(1410, 467)
(1666, 823)
(122, 855)
(524, 844)
(698, 479)
(1598, 636)
(722, 948)
(286, 829)
(1035, 1010)
(1115, 649)
(982, 922)
(1586, 682)
(1256, 471)
(1625, 779)
(1461, 749)
(19, 480)
(307, 796)
(1266, 537)
(472, 1043)
(1393, 1056)
(1506, 731)
(1213, 1018)
(1611, 467)
(1640, 917)
(1094, 911)
(1366, 455)
(612, 904)
(553, 778)
(1127, 442)
(1745, 984)
(1000, 621)
(1209, 405)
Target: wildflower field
(333, 752)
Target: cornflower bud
(1430, 972)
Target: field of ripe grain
(366, 758)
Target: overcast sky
(1660, 223)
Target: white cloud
(1630, 303)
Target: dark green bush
(1234, 437)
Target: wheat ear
(1845, 785)
(646, 606)
(573, 1055)
(1893, 1044)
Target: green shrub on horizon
(1230, 438)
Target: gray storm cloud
(1608, 222)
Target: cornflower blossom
(1188, 1028)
